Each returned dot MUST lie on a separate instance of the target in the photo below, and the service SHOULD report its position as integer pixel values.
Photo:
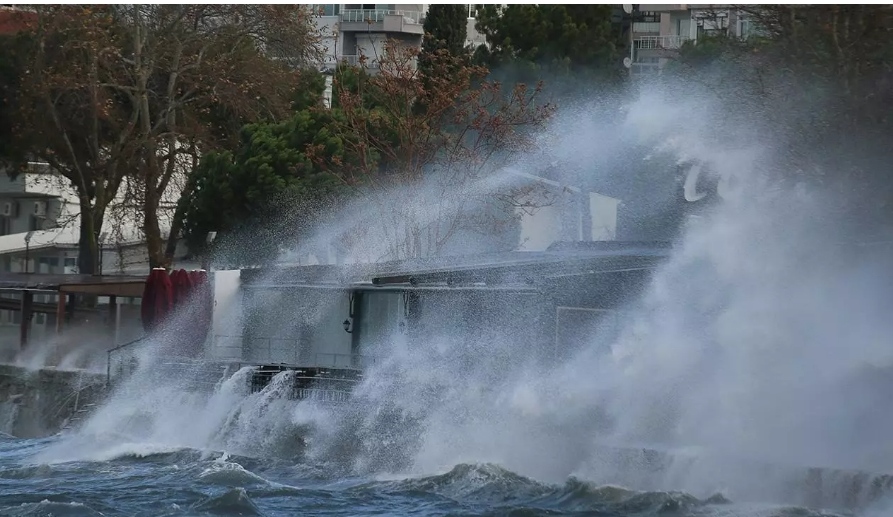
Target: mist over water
(764, 339)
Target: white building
(351, 32)
(545, 212)
(39, 233)
(40, 218)
(565, 213)
(659, 30)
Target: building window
(4, 225)
(648, 16)
(71, 262)
(47, 264)
(326, 9)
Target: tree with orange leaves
(125, 98)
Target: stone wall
(39, 403)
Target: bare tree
(140, 91)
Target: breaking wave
(755, 366)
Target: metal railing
(659, 42)
(378, 15)
(130, 346)
(270, 350)
(333, 360)
(319, 384)
(323, 376)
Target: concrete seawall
(39, 403)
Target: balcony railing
(354, 60)
(378, 15)
(659, 42)
(269, 350)
(40, 168)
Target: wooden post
(27, 299)
(60, 311)
(70, 306)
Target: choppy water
(155, 449)
(189, 482)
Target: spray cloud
(760, 340)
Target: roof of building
(532, 178)
(517, 268)
(43, 239)
(101, 285)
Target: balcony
(382, 20)
(659, 42)
(646, 27)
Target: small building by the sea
(340, 316)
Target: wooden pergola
(64, 286)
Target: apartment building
(39, 233)
(355, 32)
(658, 31)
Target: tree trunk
(88, 242)
(176, 228)
(154, 243)
(91, 217)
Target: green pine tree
(446, 29)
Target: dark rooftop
(102, 285)
(509, 268)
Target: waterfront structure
(329, 318)
(39, 234)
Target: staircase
(79, 415)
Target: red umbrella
(182, 283)
(197, 276)
(157, 299)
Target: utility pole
(28, 250)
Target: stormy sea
(154, 449)
(190, 482)
(151, 481)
